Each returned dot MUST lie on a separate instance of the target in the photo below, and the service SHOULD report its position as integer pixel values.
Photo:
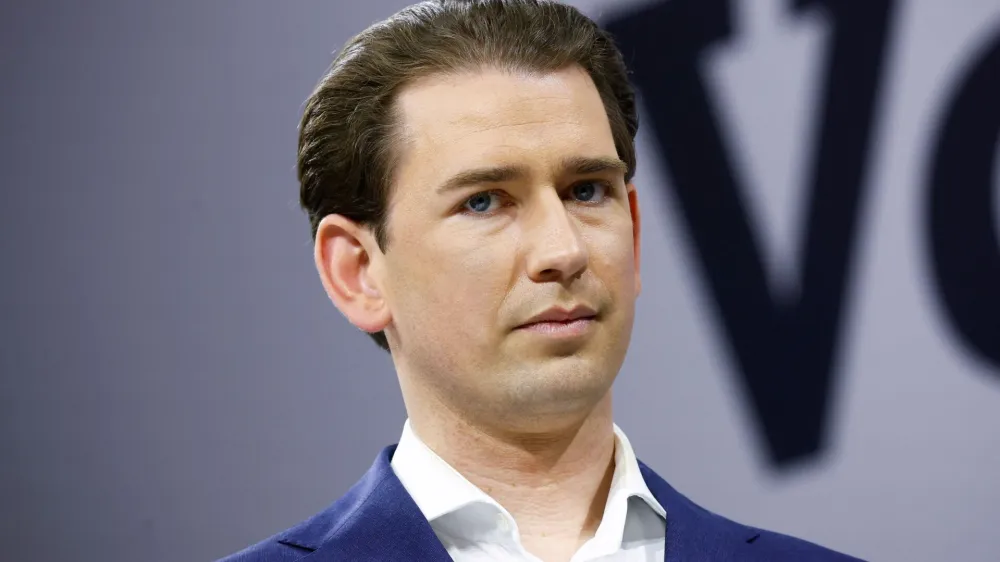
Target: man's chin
(557, 389)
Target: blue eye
(480, 202)
(587, 191)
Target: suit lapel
(693, 533)
(376, 520)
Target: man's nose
(556, 250)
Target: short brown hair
(345, 158)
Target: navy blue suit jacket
(377, 520)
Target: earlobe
(345, 266)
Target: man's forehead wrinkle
(456, 132)
(491, 112)
(482, 128)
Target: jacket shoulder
(348, 516)
(776, 546)
(693, 529)
(760, 545)
(268, 550)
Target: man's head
(466, 166)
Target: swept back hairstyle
(346, 137)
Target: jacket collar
(694, 533)
(378, 520)
(375, 520)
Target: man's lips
(575, 327)
(561, 315)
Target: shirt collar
(439, 490)
(435, 486)
(627, 469)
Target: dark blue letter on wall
(785, 346)
(965, 252)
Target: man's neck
(554, 481)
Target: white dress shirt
(472, 526)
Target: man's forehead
(483, 100)
(483, 125)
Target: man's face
(543, 220)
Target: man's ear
(633, 204)
(349, 264)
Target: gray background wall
(175, 384)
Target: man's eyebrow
(574, 165)
(581, 165)
(478, 176)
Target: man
(466, 166)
